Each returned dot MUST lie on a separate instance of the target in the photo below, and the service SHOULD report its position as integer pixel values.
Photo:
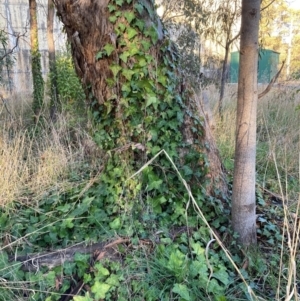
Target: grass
(278, 162)
(34, 160)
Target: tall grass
(278, 162)
(35, 158)
(278, 131)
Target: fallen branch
(33, 262)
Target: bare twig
(267, 5)
(270, 85)
(5, 105)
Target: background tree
(54, 102)
(37, 78)
(243, 197)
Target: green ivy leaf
(115, 224)
(100, 289)
(139, 7)
(133, 49)
(152, 100)
(140, 24)
(111, 8)
(101, 271)
(129, 15)
(109, 48)
(152, 33)
(182, 291)
(99, 55)
(119, 2)
(83, 298)
(113, 19)
(122, 26)
(124, 56)
(127, 73)
(115, 69)
(131, 32)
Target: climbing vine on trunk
(141, 104)
(37, 78)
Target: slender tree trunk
(37, 78)
(223, 78)
(54, 103)
(243, 198)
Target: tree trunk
(223, 78)
(128, 68)
(38, 83)
(54, 103)
(243, 198)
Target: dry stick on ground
(59, 257)
(270, 85)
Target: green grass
(51, 180)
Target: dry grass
(33, 159)
(278, 123)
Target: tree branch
(270, 85)
(16, 45)
(267, 5)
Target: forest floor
(60, 241)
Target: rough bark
(243, 198)
(89, 30)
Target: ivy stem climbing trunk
(243, 198)
(37, 78)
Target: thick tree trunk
(37, 78)
(243, 199)
(127, 63)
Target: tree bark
(127, 63)
(243, 198)
(54, 103)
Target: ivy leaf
(152, 100)
(124, 56)
(154, 185)
(139, 7)
(127, 73)
(140, 24)
(129, 15)
(146, 45)
(152, 33)
(112, 19)
(133, 50)
(83, 298)
(119, 2)
(142, 61)
(182, 291)
(99, 55)
(109, 48)
(115, 224)
(115, 69)
(111, 8)
(131, 32)
(101, 271)
(100, 289)
(122, 26)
